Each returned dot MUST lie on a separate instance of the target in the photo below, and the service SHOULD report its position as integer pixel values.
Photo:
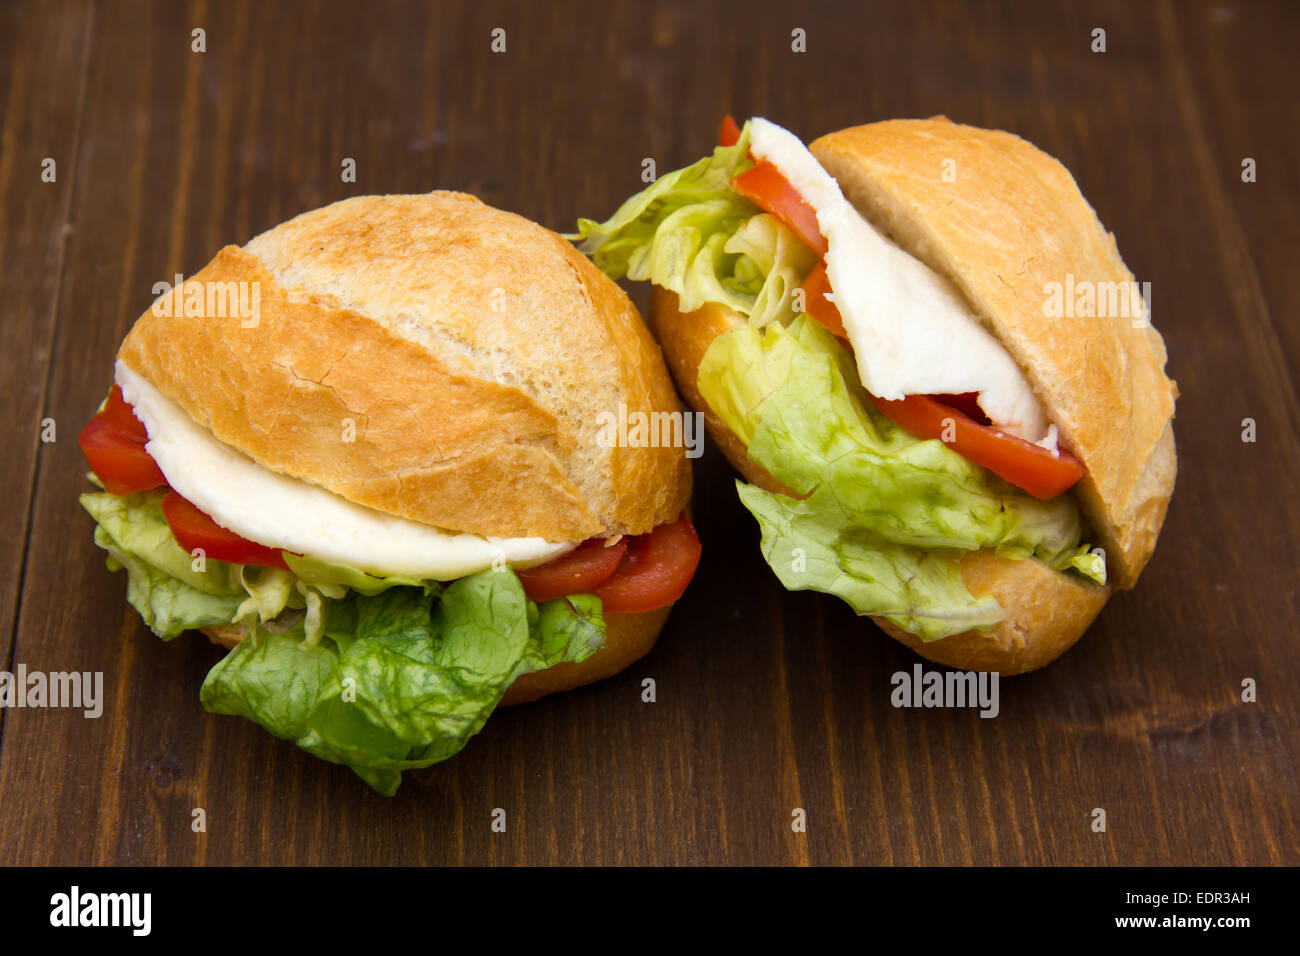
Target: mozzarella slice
(912, 332)
(285, 512)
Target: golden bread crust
(1046, 612)
(432, 358)
(1006, 224)
(685, 338)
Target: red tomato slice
(113, 443)
(815, 289)
(766, 188)
(122, 415)
(968, 403)
(655, 571)
(581, 571)
(193, 529)
(729, 133)
(1026, 465)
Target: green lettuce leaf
(323, 574)
(172, 595)
(811, 547)
(402, 679)
(380, 674)
(162, 583)
(886, 515)
(691, 233)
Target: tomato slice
(194, 529)
(113, 443)
(815, 289)
(1024, 464)
(122, 415)
(655, 571)
(766, 188)
(729, 132)
(581, 571)
(968, 403)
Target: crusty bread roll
(1012, 221)
(472, 350)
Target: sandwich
(361, 453)
(923, 353)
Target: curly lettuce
(692, 234)
(379, 674)
(402, 679)
(883, 516)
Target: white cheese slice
(911, 331)
(285, 512)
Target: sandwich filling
(369, 640)
(911, 332)
(287, 513)
(860, 380)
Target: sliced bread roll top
(1012, 221)
(433, 358)
(1005, 223)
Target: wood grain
(767, 701)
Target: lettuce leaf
(885, 516)
(691, 233)
(380, 674)
(173, 596)
(402, 679)
(811, 547)
(162, 584)
(323, 574)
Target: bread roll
(1012, 221)
(474, 353)
(472, 350)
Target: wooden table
(767, 701)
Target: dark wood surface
(767, 701)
